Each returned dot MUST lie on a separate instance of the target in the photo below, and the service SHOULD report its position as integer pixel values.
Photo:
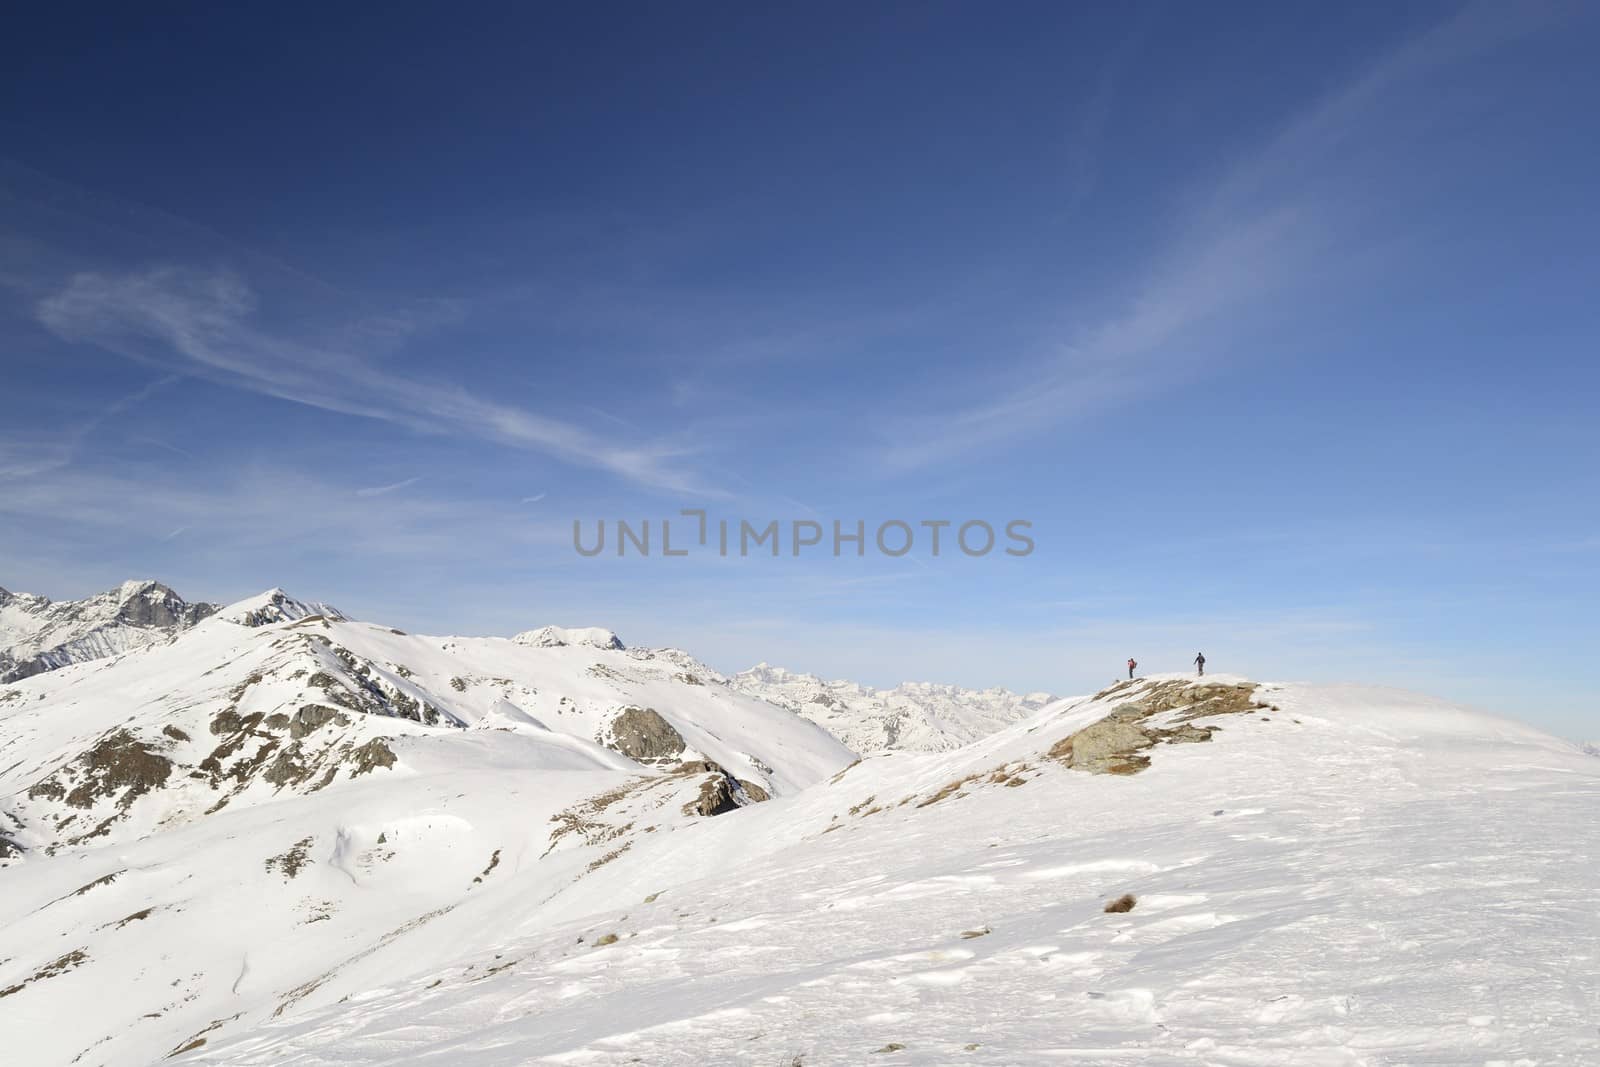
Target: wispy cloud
(209, 323)
(1268, 224)
(533, 499)
(41, 453)
(381, 490)
(256, 511)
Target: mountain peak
(136, 586)
(274, 606)
(563, 636)
(39, 635)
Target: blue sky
(1278, 323)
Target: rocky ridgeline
(293, 710)
(307, 713)
(38, 634)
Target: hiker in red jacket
(1131, 666)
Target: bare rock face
(1120, 742)
(153, 604)
(721, 793)
(643, 735)
(311, 716)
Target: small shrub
(1123, 903)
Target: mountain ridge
(38, 634)
(303, 837)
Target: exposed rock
(312, 716)
(370, 756)
(716, 797)
(291, 862)
(118, 763)
(699, 766)
(721, 793)
(642, 734)
(1119, 743)
(61, 965)
(494, 861)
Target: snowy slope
(913, 716)
(1323, 875)
(1360, 877)
(38, 634)
(204, 828)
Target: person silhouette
(1131, 666)
(1200, 662)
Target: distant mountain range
(38, 634)
(913, 716)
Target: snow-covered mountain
(320, 841)
(38, 634)
(913, 716)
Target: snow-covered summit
(38, 634)
(565, 636)
(274, 606)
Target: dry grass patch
(1122, 904)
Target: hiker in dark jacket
(1200, 661)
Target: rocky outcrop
(721, 793)
(1157, 713)
(644, 736)
(717, 797)
(119, 766)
